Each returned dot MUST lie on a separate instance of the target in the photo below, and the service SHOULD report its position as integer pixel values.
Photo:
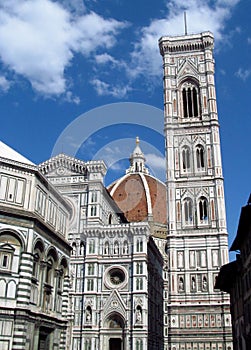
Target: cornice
(186, 43)
(62, 160)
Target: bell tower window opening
(200, 157)
(186, 164)
(190, 99)
(203, 210)
(188, 211)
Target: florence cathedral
(131, 266)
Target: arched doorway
(115, 344)
(116, 326)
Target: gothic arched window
(190, 98)
(203, 209)
(94, 197)
(139, 344)
(186, 155)
(139, 268)
(188, 211)
(200, 157)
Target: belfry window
(203, 210)
(188, 211)
(186, 163)
(139, 344)
(190, 101)
(200, 161)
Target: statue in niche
(125, 248)
(88, 315)
(106, 248)
(204, 283)
(193, 283)
(181, 284)
(116, 248)
(138, 315)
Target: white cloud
(69, 97)
(155, 161)
(104, 89)
(4, 84)
(249, 40)
(202, 15)
(38, 39)
(243, 74)
(105, 58)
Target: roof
(140, 196)
(9, 153)
(227, 275)
(244, 228)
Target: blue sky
(61, 59)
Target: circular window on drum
(116, 277)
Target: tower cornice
(186, 43)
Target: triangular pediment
(63, 165)
(114, 303)
(187, 68)
(7, 247)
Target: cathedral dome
(139, 195)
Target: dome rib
(148, 196)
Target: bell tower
(197, 316)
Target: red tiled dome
(139, 195)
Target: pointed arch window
(190, 99)
(203, 210)
(88, 344)
(93, 210)
(90, 269)
(139, 284)
(139, 268)
(94, 197)
(200, 157)
(139, 344)
(188, 211)
(186, 159)
(139, 247)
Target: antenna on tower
(185, 22)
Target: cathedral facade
(131, 266)
(116, 268)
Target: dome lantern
(137, 161)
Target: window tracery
(203, 209)
(190, 100)
(188, 211)
(200, 157)
(186, 159)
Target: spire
(137, 160)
